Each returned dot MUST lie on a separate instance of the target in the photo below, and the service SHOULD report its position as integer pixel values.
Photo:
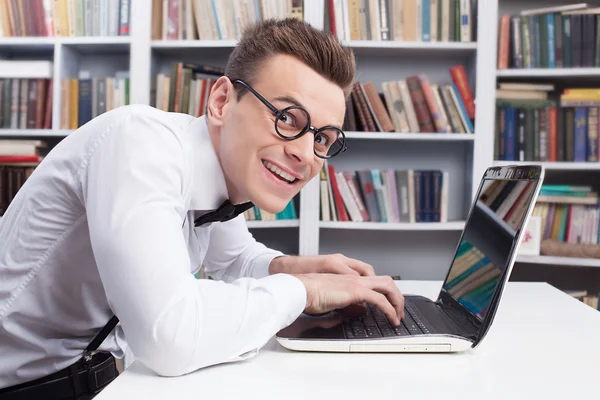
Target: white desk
(543, 345)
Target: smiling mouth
(278, 173)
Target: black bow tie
(225, 212)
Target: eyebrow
(292, 100)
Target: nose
(301, 149)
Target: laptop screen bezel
(457, 312)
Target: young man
(114, 222)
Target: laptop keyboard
(375, 324)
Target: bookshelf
(563, 272)
(412, 250)
(463, 156)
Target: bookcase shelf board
(26, 133)
(386, 226)
(564, 261)
(548, 72)
(282, 223)
(410, 136)
(558, 165)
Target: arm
(135, 209)
(234, 253)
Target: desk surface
(543, 344)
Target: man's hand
(332, 264)
(327, 292)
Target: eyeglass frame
(277, 112)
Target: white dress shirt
(105, 225)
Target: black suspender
(103, 334)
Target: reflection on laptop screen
(485, 248)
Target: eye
(288, 119)
(321, 139)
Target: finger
(387, 286)
(361, 267)
(340, 268)
(382, 303)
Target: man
(106, 225)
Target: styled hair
(320, 51)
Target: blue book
(511, 134)
(378, 189)
(84, 106)
(580, 136)
(463, 109)
(551, 41)
(426, 20)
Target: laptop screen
(486, 247)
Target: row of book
(18, 159)
(408, 20)
(533, 126)
(413, 104)
(64, 17)
(186, 88)
(257, 214)
(214, 19)
(551, 37)
(87, 97)
(569, 214)
(26, 103)
(374, 195)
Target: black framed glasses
(294, 121)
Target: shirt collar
(209, 189)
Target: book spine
(460, 80)
(580, 135)
(420, 104)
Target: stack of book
(215, 20)
(534, 125)
(374, 195)
(407, 20)
(413, 104)
(18, 159)
(257, 214)
(87, 97)
(64, 18)
(553, 37)
(569, 214)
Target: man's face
(257, 163)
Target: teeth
(279, 172)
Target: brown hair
(319, 50)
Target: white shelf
(566, 261)
(548, 72)
(389, 226)
(410, 136)
(566, 166)
(33, 132)
(191, 44)
(279, 223)
(375, 47)
(44, 43)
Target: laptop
(470, 295)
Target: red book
(459, 77)
(339, 204)
(19, 159)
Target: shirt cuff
(289, 294)
(260, 265)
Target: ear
(219, 100)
